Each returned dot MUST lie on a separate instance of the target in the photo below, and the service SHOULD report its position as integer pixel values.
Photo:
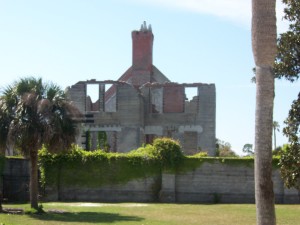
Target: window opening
(190, 93)
(92, 97)
(92, 91)
(191, 99)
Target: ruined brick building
(143, 104)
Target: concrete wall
(207, 118)
(210, 183)
(143, 190)
(132, 112)
(214, 182)
(176, 117)
(15, 180)
(219, 182)
(122, 112)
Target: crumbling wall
(119, 112)
(134, 112)
(191, 120)
(156, 101)
(192, 106)
(77, 94)
(207, 118)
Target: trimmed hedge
(97, 168)
(94, 169)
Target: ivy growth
(94, 169)
(97, 168)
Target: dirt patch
(91, 204)
(134, 205)
(12, 211)
(57, 211)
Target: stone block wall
(15, 180)
(143, 190)
(136, 109)
(207, 118)
(215, 182)
(210, 183)
(122, 113)
(221, 183)
(179, 118)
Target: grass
(146, 214)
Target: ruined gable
(143, 104)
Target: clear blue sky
(206, 41)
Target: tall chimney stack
(142, 46)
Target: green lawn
(140, 213)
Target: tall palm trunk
(1, 195)
(264, 52)
(274, 130)
(34, 179)
(264, 194)
(1, 208)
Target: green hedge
(97, 168)
(195, 161)
(94, 169)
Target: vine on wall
(97, 168)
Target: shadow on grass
(87, 217)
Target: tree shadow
(86, 217)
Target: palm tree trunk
(264, 52)
(33, 179)
(274, 138)
(1, 199)
(264, 194)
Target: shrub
(147, 151)
(200, 154)
(94, 168)
(168, 151)
(289, 163)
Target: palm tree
(276, 127)
(264, 52)
(36, 114)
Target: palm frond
(37, 113)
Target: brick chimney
(142, 46)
